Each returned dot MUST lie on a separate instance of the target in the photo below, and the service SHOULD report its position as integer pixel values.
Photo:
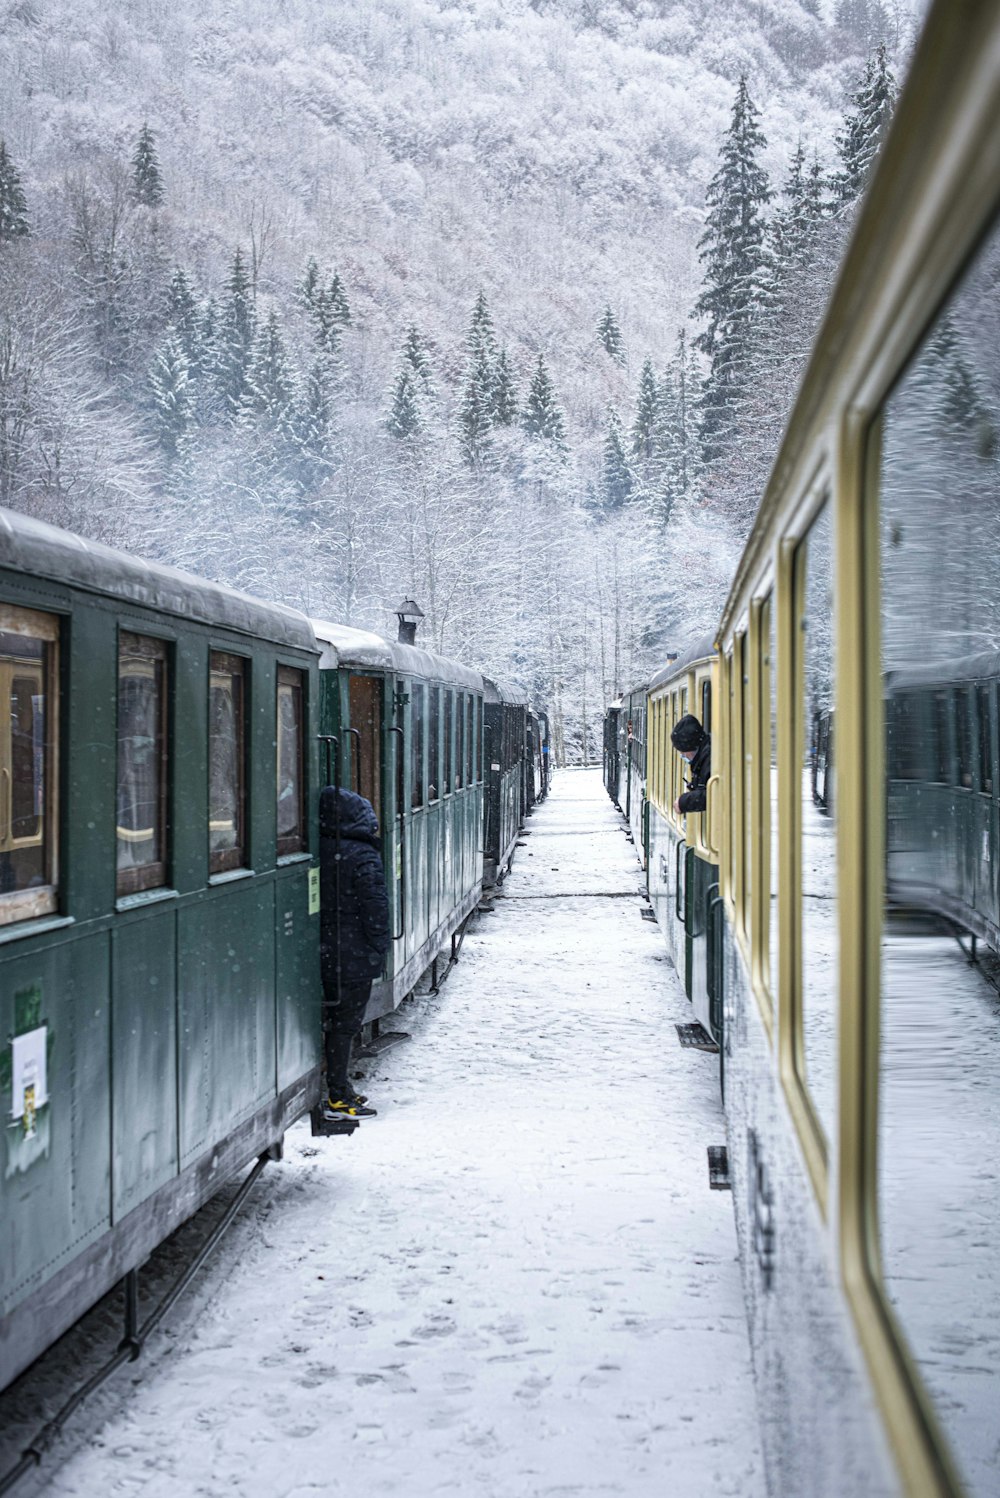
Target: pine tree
(733, 253)
(482, 346)
(864, 129)
(643, 434)
(312, 423)
(616, 476)
(235, 338)
(270, 386)
(415, 355)
(170, 382)
(505, 405)
(336, 299)
(308, 288)
(404, 419)
(677, 429)
(13, 204)
(147, 183)
(609, 334)
(541, 417)
(475, 420)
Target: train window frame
(448, 740)
(225, 860)
(985, 742)
(434, 756)
(142, 878)
(459, 740)
(418, 789)
(768, 645)
(35, 901)
(293, 844)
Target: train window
(984, 700)
(747, 796)
(706, 704)
(459, 740)
(141, 812)
(939, 1062)
(962, 717)
(769, 703)
(818, 846)
(449, 748)
(226, 763)
(940, 737)
(903, 743)
(434, 743)
(470, 739)
(28, 651)
(366, 716)
(418, 742)
(291, 818)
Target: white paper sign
(31, 1081)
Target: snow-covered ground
(516, 1281)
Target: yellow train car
(853, 834)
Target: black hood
(357, 816)
(687, 734)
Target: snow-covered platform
(516, 1281)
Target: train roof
(495, 691)
(699, 650)
(36, 549)
(342, 646)
(985, 663)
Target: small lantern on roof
(408, 612)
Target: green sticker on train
(314, 891)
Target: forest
(493, 304)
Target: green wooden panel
(55, 1185)
(226, 1008)
(298, 985)
(144, 1057)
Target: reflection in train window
(141, 817)
(27, 783)
(366, 718)
(434, 743)
(939, 1077)
(226, 739)
(291, 819)
(820, 972)
(769, 703)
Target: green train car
(158, 909)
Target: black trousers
(342, 1019)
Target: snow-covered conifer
(541, 416)
(505, 406)
(308, 288)
(864, 128)
(404, 421)
(270, 382)
(415, 355)
(235, 336)
(642, 438)
(616, 476)
(312, 424)
(147, 181)
(475, 419)
(610, 335)
(677, 429)
(170, 383)
(13, 204)
(733, 253)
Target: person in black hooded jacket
(695, 745)
(354, 934)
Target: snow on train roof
(37, 549)
(495, 691)
(343, 646)
(700, 650)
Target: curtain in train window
(418, 741)
(291, 762)
(939, 1077)
(226, 763)
(817, 816)
(27, 829)
(142, 764)
(366, 716)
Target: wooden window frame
(30, 904)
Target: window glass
(291, 762)
(747, 789)
(479, 740)
(448, 734)
(706, 704)
(939, 1081)
(226, 761)
(814, 578)
(470, 740)
(459, 740)
(984, 719)
(418, 740)
(28, 643)
(366, 717)
(434, 743)
(142, 764)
